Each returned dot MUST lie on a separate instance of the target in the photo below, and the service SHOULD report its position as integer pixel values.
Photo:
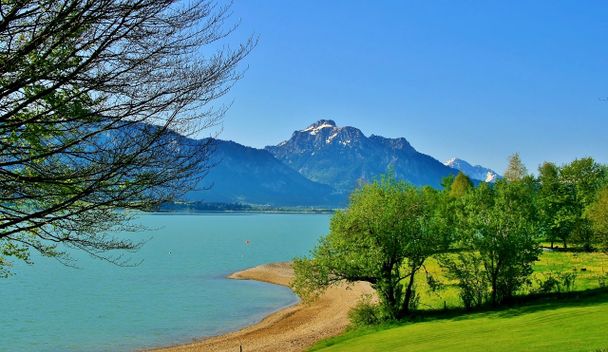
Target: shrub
(366, 313)
(567, 280)
(603, 280)
(561, 282)
(548, 285)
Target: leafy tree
(499, 232)
(586, 176)
(384, 237)
(461, 185)
(466, 267)
(555, 205)
(92, 94)
(516, 170)
(597, 214)
(583, 178)
(447, 181)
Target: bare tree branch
(97, 101)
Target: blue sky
(474, 79)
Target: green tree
(582, 178)
(92, 94)
(466, 267)
(555, 201)
(499, 231)
(597, 214)
(461, 185)
(384, 237)
(516, 170)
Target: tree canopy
(501, 227)
(516, 170)
(486, 238)
(93, 95)
(384, 237)
(460, 185)
(597, 213)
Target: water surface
(176, 294)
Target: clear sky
(474, 79)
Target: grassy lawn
(590, 268)
(565, 324)
(557, 325)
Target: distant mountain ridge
(476, 172)
(343, 156)
(253, 176)
(318, 166)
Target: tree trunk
(405, 307)
(494, 289)
(391, 301)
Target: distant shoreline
(203, 207)
(294, 328)
(197, 207)
(186, 212)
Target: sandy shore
(294, 328)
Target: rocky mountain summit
(342, 157)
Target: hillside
(317, 167)
(252, 176)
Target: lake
(177, 293)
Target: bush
(603, 280)
(562, 282)
(567, 280)
(548, 285)
(366, 313)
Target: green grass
(573, 324)
(590, 269)
(564, 324)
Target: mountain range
(343, 156)
(476, 172)
(318, 167)
(254, 176)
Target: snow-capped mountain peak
(319, 125)
(476, 172)
(331, 138)
(451, 162)
(343, 157)
(491, 176)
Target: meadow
(590, 271)
(571, 320)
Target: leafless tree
(95, 98)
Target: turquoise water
(176, 294)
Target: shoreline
(292, 328)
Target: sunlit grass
(556, 325)
(591, 270)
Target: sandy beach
(294, 328)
